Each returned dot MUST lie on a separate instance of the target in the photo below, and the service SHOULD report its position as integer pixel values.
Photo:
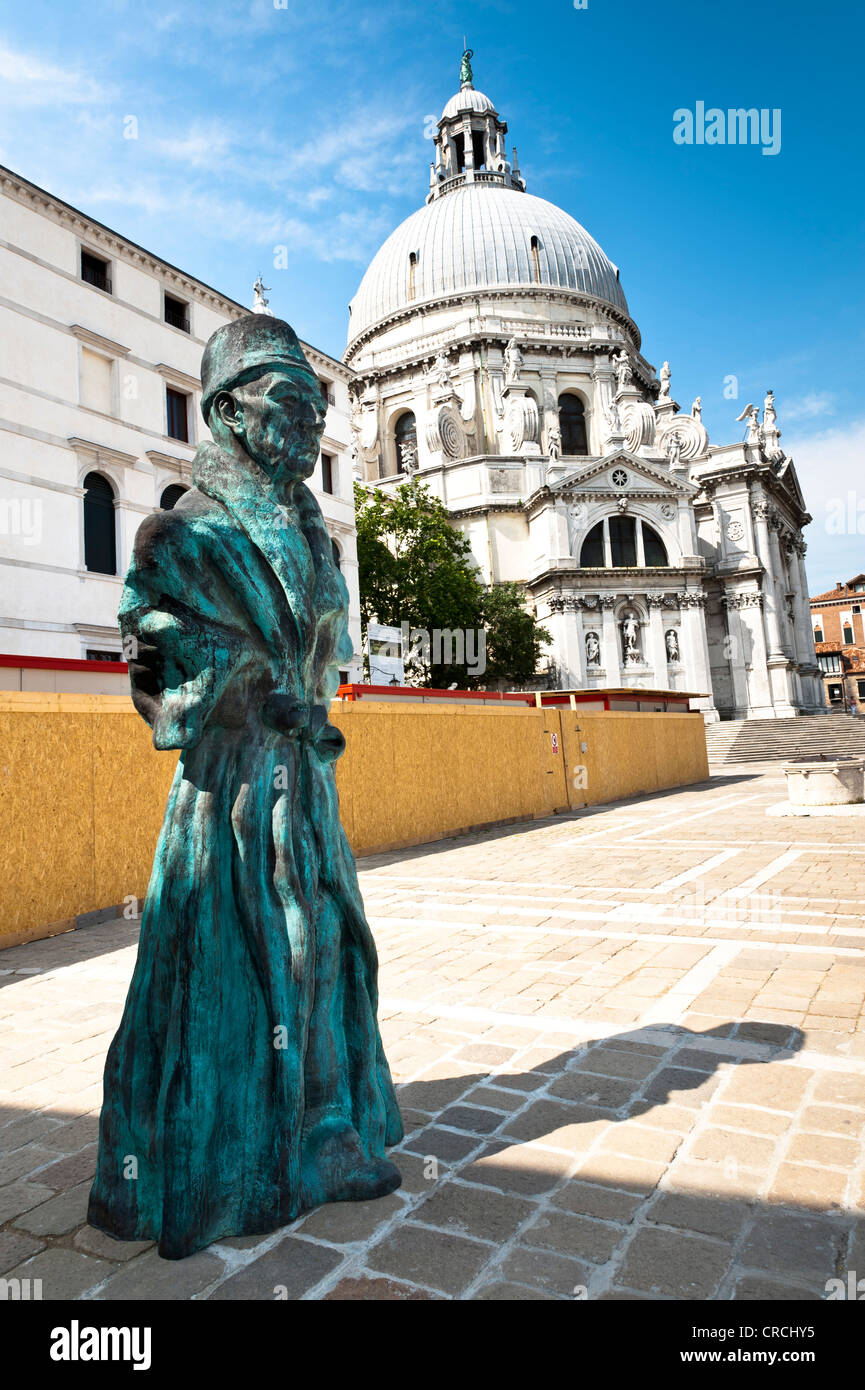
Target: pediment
(790, 482)
(594, 478)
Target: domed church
(496, 359)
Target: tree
(514, 639)
(416, 568)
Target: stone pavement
(630, 1045)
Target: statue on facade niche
(674, 449)
(614, 419)
(622, 368)
(513, 362)
(554, 440)
(697, 409)
(672, 643)
(408, 456)
(664, 377)
(247, 1080)
(593, 649)
(631, 637)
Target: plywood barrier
(83, 789)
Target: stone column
(738, 642)
(608, 553)
(641, 549)
(694, 644)
(657, 646)
(760, 512)
(610, 644)
(750, 607)
(567, 657)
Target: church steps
(767, 740)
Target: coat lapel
(283, 545)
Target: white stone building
(100, 349)
(496, 358)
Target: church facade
(496, 359)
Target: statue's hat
(246, 349)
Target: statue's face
(281, 418)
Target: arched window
(653, 547)
(171, 496)
(624, 542)
(592, 553)
(337, 558)
(405, 438)
(818, 633)
(536, 265)
(572, 423)
(100, 546)
(848, 634)
(412, 270)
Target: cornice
(90, 449)
(192, 383)
(87, 335)
(546, 293)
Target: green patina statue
(466, 78)
(247, 1080)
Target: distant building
(839, 640)
(100, 348)
(496, 360)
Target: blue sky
(304, 126)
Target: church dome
(482, 236)
(467, 100)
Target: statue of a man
(593, 649)
(672, 644)
(622, 367)
(554, 440)
(664, 377)
(513, 362)
(631, 632)
(247, 1079)
(697, 409)
(261, 305)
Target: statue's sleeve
(181, 656)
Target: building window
(405, 437)
(654, 550)
(177, 412)
(92, 655)
(94, 271)
(97, 382)
(412, 270)
(327, 390)
(834, 692)
(459, 146)
(829, 663)
(592, 553)
(536, 276)
(177, 313)
(818, 633)
(337, 558)
(848, 634)
(478, 149)
(171, 496)
(343, 678)
(100, 546)
(572, 423)
(327, 473)
(623, 541)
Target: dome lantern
(470, 142)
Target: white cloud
(809, 406)
(29, 81)
(830, 466)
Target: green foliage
(416, 568)
(514, 640)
